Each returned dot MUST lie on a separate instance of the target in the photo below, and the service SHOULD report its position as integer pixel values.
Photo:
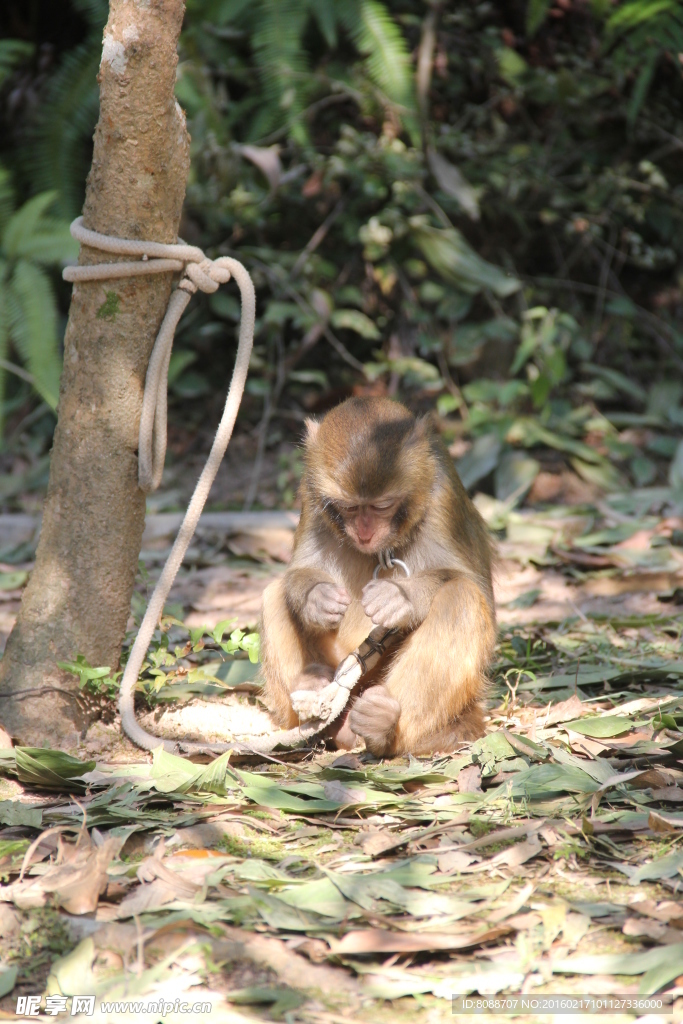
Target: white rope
(198, 273)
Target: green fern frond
(638, 12)
(6, 198)
(33, 327)
(12, 52)
(281, 61)
(641, 31)
(380, 40)
(324, 15)
(25, 222)
(50, 244)
(58, 151)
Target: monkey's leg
(288, 663)
(430, 695)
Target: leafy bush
(475, 207)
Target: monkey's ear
(312, 428)
(425, 425)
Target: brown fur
(426, 695)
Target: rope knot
(206, 275)
(198, 273)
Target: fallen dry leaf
(262, 545)
(517, 855)
(375, 843)
(513, 906)
(650, 582)
(455, 860)
(653, 778)
(524, 922)
(659, 823)
(75, 884)
(668, 911)
(636, 926)
(658, 931)
(469, 779)
(208, 834)
(377, 940)
(565, 711)
(670, 794)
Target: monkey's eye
(351, 509)
(381, 506)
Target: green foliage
(190, 664)
(277, 31)
(96, 680)
(517, 265)
(643, 32)
(30, 241)
(12, 52)
(58, 147)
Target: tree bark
(78, 598)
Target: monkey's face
(369, 527)
(369, 471)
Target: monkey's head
(369, 471)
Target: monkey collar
(386, 560)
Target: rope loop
(198, 273)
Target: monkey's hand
(325, 605)
(374, 717)
(387, 603)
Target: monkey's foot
(374, 718)
(341, 733)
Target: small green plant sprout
(96, 680)
(165, 665)
(237, 641)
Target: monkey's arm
(315, 598)
(403, 603)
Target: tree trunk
(78, 598)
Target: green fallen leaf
(8, 979)
(453, 258)
(172, 774)
(663, 867)
(12, 580)
(622, 963)
(13, 812)
(600, 728)
(281, 1000)
(52, 769)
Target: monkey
(379, 486)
